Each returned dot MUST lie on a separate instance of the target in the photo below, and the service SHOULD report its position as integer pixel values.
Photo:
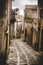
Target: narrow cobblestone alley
(21, 32)
(21, 53)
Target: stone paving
(21, 53)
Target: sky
(21, 4)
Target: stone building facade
(5, 8)
(31, 19)
(40, 3)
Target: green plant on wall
(28, 18)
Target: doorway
(42, 40)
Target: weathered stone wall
(31, 17)
(1, 35)
(4, 26)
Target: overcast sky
(21, 4)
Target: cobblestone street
(21, 54)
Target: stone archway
(28, 34)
